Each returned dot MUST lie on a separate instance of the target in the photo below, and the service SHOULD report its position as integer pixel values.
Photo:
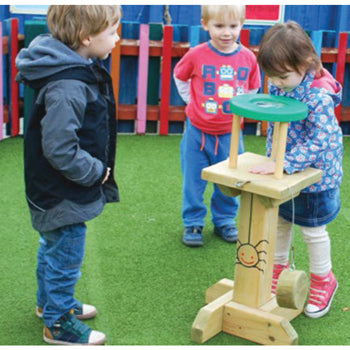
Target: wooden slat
(1, 91)
(177, 114)
(142, 80)
(5, 43)
(114, 71)
(244, 37)
(128, 112)
(316, 37)
(13, 72)
(329, 55)
(129, 47)
(165, 80)
(345, 114)
(340, 70)
(194, 35)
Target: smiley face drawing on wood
(250, 255)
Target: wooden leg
(218, 289)
(276, 129)
(236, 123)
(280, 150)
(258, 326)
(208, 321)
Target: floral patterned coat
(315, 141)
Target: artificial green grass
(147, 286)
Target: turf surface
(147, 286)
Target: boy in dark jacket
(69, 153)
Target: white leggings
(317, 241)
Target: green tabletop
(268, 107)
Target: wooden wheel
(292, 288)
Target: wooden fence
(141, 66)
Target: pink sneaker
(277, 269)
(322, 290)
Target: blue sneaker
(192, 236)
(68, 330)
(228, 233)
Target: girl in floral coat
(287, 57)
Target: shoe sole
(192, 243)
(321, 313)
(60, 342)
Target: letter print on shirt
(222, 83)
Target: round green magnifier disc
(268, 107)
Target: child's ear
(85, 40)
(310, 63)
(309, 60)
(204, 25)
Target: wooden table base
(246, 308)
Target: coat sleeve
(319, 142)
(65, 102)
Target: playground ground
(147, 286)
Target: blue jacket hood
(44, 57)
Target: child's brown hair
(72, 23)
(286, 47)
(218, 11)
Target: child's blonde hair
(209, 12)
(72, 23)
(286, 47)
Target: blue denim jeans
(60, 255)
(312, 209)
(197, 151)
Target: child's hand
(264, 169)
(108, 171)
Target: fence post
(194, 35)
(244, 37)
(142, 80)
(316, 38)
(12, 28)
(1, 91)
(340, 70)
(115, 70)
(165, 80)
